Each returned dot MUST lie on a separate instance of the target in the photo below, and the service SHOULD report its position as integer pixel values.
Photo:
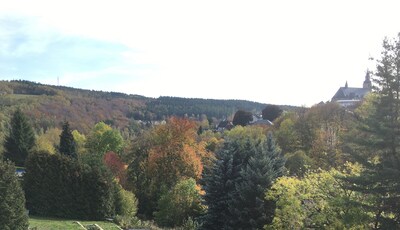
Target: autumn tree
(12, 199)
(165, 155)
(313, 136)
(20, 140)
(271, 112)
(117, 167)
(67, 142)
(242, 118)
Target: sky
(286, 52)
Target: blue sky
(280, 52)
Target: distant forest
(50, 105)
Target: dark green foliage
(271, 112)
(59, 186)
(12, 201)
(20, 139)
(298, 163)
(67, 142)
(235, 186)
(138, 178)
(242, 118)
(249, 208)
(375, 142)
(175, 106)
(218, 185)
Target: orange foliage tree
(117, 167)
(162, 157)
(175, 153)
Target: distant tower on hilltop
(348, 96)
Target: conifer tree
(235, 186)
(12, 199)
(249, 207)
(376, 141)
(217, 183)
(67, 142)
(20, 139)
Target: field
(43, 223)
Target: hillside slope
(49, 105)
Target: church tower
(367, 82)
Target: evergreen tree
(20, 139)
(376, 142)
(67, 142)
(218, 185)
(235, 185)
(249, 207)
(12, 200)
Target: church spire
(367, 82)
(346, 85)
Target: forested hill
(49, 105)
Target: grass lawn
(44, 223)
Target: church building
(347, 96)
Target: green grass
(46, 223)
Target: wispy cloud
(31, 52)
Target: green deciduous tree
(20, 140)
(12, 200)
(67, 142)
(48, 141)
(242, 118)
(103, 139)
(319, 200)
(271, 112)
(179, 204)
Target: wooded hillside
(50, 105)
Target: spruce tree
(218, 184)
(20, 139)
(67, 142)
(12, 200)
(376, 142)
(235, 185)
(249, 207)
